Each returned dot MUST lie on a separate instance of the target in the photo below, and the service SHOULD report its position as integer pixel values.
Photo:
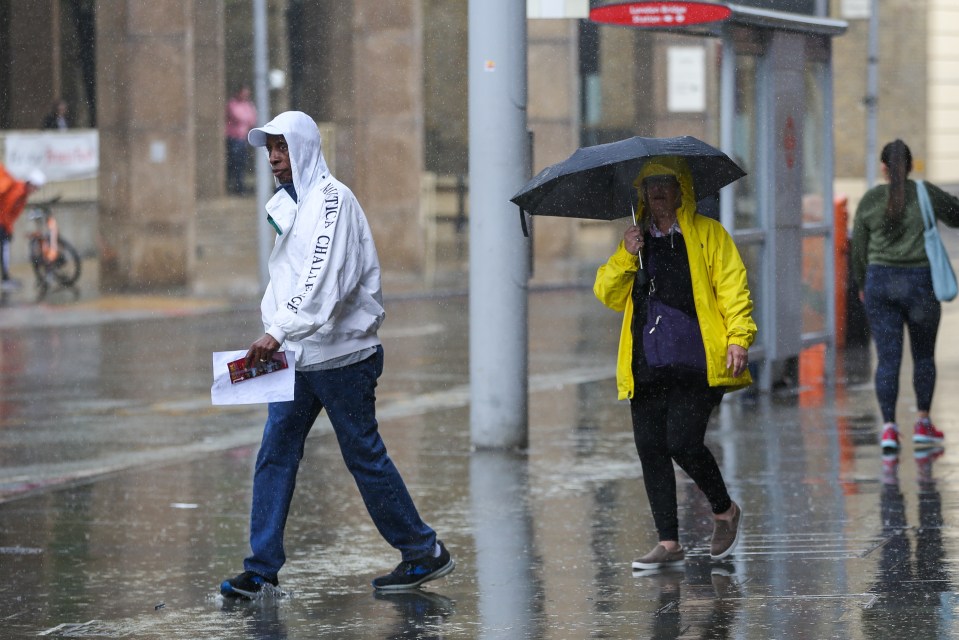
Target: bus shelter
(776, 101)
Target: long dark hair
(898, 160)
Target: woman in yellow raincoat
(685, 345)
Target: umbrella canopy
(597, 182)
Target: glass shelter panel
(813, 145)
(814, 207)
(745, 220)
(814, 284)
(746, 208)
(752, 255)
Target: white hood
(304, 142)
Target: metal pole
(727, 125)
(264, 177)
(872, 97)
(499, 252)
(824, 78)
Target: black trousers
(670, 415)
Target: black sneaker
(410, 574)
(245, 585)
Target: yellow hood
(668, 166)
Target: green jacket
(872, 245)
(720, 293)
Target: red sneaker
(889, 440)
(926, 433)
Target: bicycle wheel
(39, 266)
(66, 268)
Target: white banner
(60, 155)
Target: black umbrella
(597, 182)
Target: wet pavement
(124, 494)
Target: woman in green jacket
(697, 285)
(892, 271)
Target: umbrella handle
(639, 254)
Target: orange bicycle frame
(50, 249)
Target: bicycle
(55, 261)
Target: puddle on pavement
(839, 543)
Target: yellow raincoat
(720, 290)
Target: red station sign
(660, 14)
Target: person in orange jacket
(13, 199)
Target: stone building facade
(918, 98)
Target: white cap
(257, 137)
(37, 178)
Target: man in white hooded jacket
(324, 306)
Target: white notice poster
(557, 8)
(686, 79)
(855, 9)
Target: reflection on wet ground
(126, 497)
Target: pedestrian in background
(697, 297)
(892, 272)
(13, 198)
(58, 116)
(240, 118)
(324, 305)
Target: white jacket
(324, 298)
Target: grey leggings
(898, 297)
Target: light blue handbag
(943, 277)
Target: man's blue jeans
(898, 296)
(348, 395)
